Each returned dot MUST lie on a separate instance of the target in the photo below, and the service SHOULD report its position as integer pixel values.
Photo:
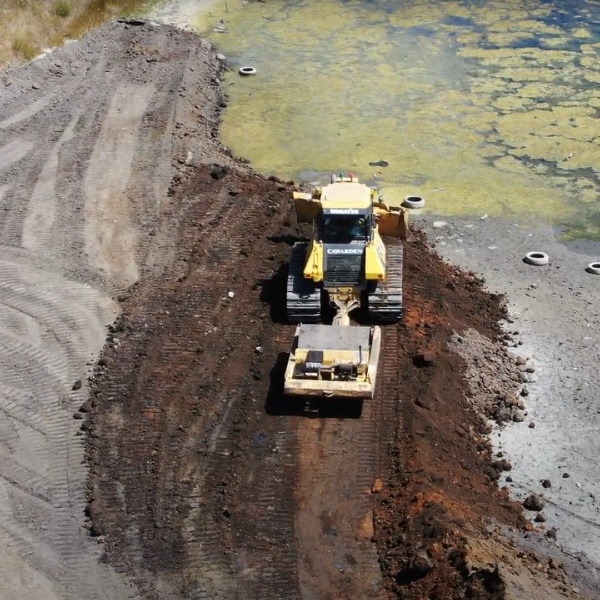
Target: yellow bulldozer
(347, 266)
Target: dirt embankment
(89, 135)
(204, 482)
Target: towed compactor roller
(331, 361)
(348, 266)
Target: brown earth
(203, 481)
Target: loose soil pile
(204, 481)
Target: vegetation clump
(23, 48)
(62, 9)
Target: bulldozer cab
(391, 220)
(338, 227)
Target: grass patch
(62, 9)
(23, 48)
(27, 26)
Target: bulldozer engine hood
(344, 264)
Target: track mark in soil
(110, 233)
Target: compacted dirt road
(168, 465)
(87, 139)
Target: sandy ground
(556, 313)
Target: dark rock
(379, 163)
(86, 406)
(77, 415)
(424, 359)
(491, 472)
(566, 476)
(524, 391)
(423, 403)
(534, 502)
(532, 425)
(418, 567)
(519, 416)
(134, 22)
(435, 531)
(96, 530)
(502, 415)
(501, 465)
(540, 518)
(546, 483)
(219, 171)
(77, 385)
(551, 534)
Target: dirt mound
(444, 482)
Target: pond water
(100, 11)
(487, 107)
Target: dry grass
(28, 26)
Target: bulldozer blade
(392, 220)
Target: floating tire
(245, 71)
(594, 268)
(413, 202)
(536, 258)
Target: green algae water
(480, 107)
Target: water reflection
(482, 107)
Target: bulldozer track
(267, 522)
(303, 300)
(358, 452)
(385, 302)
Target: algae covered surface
(480, 107)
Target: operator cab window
(344, 228)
